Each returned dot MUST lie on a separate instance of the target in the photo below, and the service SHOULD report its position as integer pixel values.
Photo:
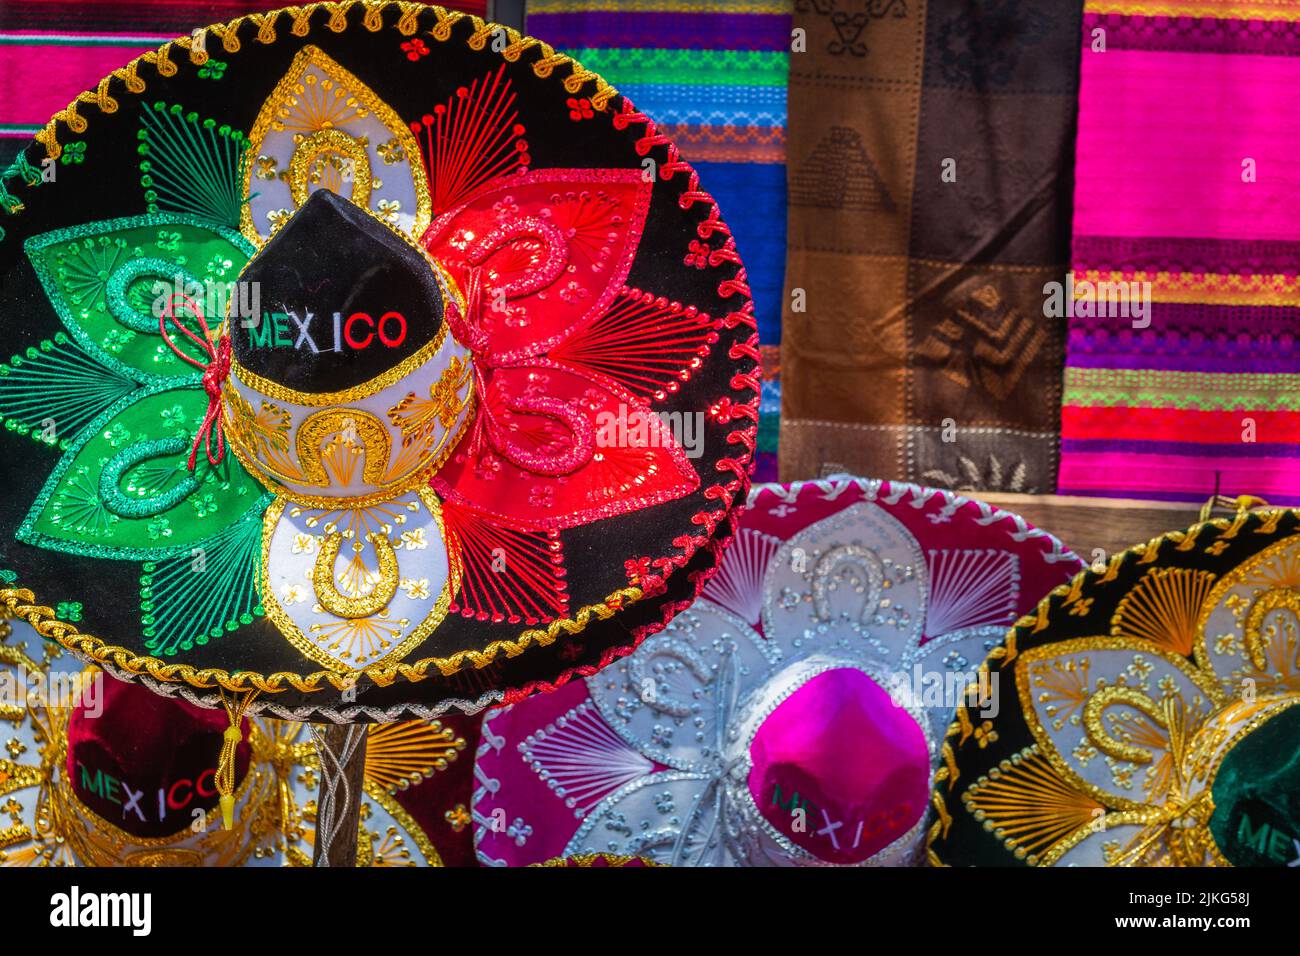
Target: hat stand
(342, 752)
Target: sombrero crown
(792, 715)
(100, 772)
(325, 397)
(147, 764)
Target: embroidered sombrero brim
(792, 716)
(1147, 715)
(376, 510)
(96, 772)
(600, 861)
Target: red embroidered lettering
(209, 774)
(347, 330)
(172, 800)
(398, 339)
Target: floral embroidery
(74, 154)
(415, 48)
(391, 151)
(213, 70)
(579, 109)
(698, 255)
(458, 816)
(68, 611)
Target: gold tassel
(230, 742)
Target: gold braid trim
(20, 603)
(963, 721)
(944, 818)
(482, 35)
(410, 19)
(938, 794)
(592, 859)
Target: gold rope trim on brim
(21, 602)
(1037, 619)
(300, 16)
(591, 859)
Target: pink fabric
(1148, 165)
(1157, 476)
(856, 765)
(45, 79)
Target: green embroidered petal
(207, 593)
(101, 279)
(192, 165)
(123, 489)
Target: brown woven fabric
(923, 352)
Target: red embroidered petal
(514, 465)
(648, 345)
(508, 575)
(554, 246)
(471, 139)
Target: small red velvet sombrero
(99, 772)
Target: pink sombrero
(792, 715)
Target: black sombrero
(1147, 715)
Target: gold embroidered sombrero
(98, 772)
(365, 378)
(1148, 714)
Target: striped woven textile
(51, 50)
(712, 74)
(930, 153)
(1187, 180)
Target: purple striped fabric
(1228, 362)
(1181, 319)
(1110, 445)
(1195, 34)
(1155, 494)
(1177, 254)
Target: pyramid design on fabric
(840, 175)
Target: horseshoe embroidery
(333, 600)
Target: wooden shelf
(1088, 525)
